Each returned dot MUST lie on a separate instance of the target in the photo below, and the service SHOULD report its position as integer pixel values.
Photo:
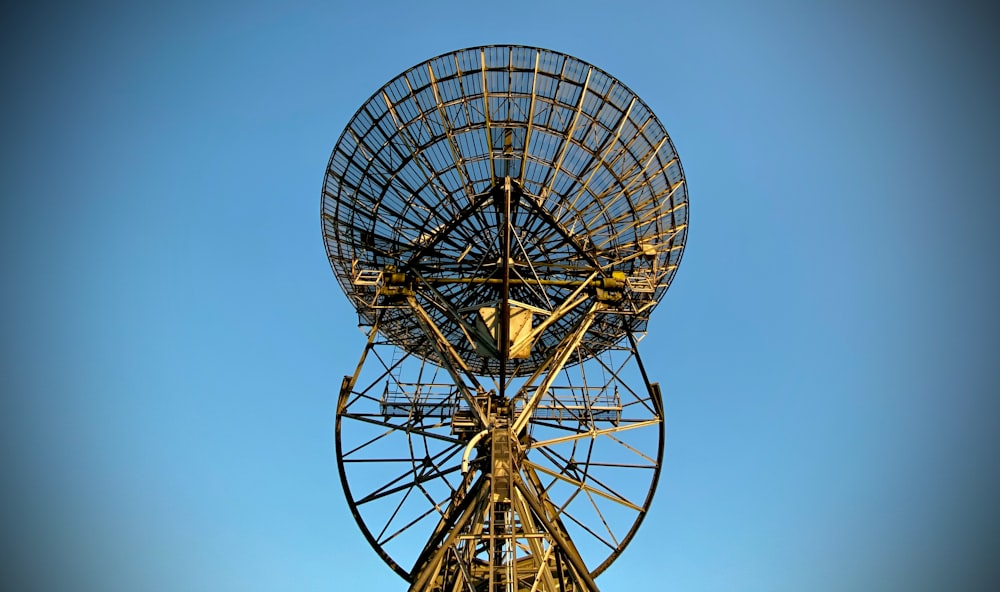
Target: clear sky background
(173, 338)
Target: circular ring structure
(596, 199)
(407, 460)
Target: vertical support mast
(504, 332)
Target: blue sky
(174, 338)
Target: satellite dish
(503, 219)
(414, 184)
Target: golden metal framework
(504, 219)
(414, 184)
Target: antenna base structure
(504, 219)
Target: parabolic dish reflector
(410, 199)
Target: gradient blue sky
(173, 338)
